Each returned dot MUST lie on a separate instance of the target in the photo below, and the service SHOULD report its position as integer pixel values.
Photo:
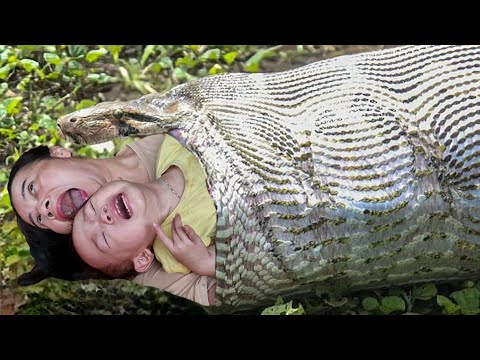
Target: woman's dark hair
(53, 253)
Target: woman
(45, 208)
(48, 186)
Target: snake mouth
(70, 136)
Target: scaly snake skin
(360, 170)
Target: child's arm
(187, 247)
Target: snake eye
(117, 113)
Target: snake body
(360, 171)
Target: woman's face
(48, 193)
(115, 224)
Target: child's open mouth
(122, 207)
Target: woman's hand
(188, 248)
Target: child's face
(114, 224)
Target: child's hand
(187, 247)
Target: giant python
(361, 170)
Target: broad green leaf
(216, 69)
(74, 65)
(114, 50)
(468, 300)
(179, 74)
(275, 310)
(230, 57)
(5, 204)
(146, 53)
(449, 307)
(166, 63)
(391, 304)
(12, 105)
(212, 54)
(53, 76)
(188, 61)
(77, 50)
(52, 58)
(46, 122)
(4, 71)
(3, 88)
(29, 64)
(253, 64)
(6, 53)
(370, 304)
(93, 55)
(85, 103)
(425, 292)
(50, 49)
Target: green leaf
(216, 69)
(449, 307)
(212, 54)
(253, 64)
(12, 105)
(467, 300)
(4, 71)
(114, 50)
(391, 304)
(179, 74)
(146, 53)
(75, 68)
(5, 204)
(166, 63)
(295, 311)
(29, 64)
(85, 103)
(23, 84)
(50, 49)
(102, 78)
(3, 88)
(77, 50)
(193, 47)
(188, 61)
(93, 55)
(53, 76)
(425, 292)
(370, 304)
(46, 122)
(230, 57)
(30, 48)
(52, 58)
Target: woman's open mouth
(70, 202)
(122, 206)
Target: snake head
(148, 115)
